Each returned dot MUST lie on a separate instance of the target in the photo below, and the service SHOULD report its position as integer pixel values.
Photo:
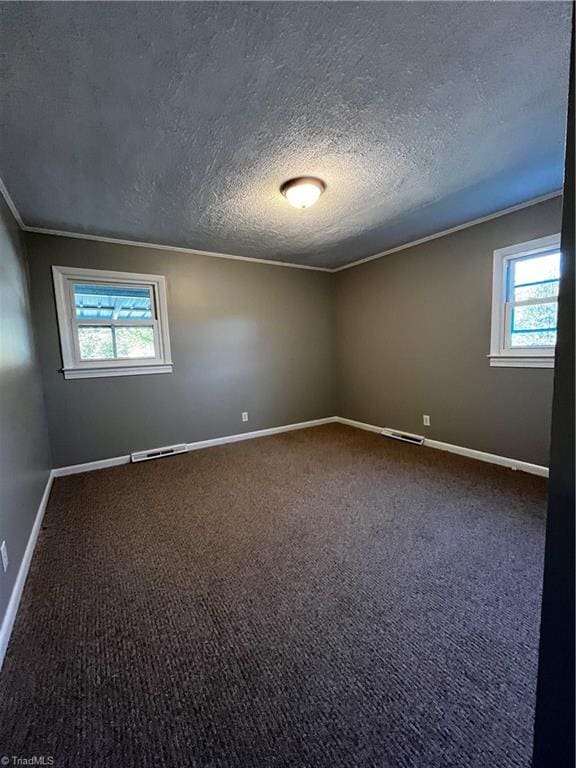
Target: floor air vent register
(158, 453)
(406, 437)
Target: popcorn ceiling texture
(176, 123)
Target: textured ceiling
(176, 123)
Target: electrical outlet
(426, 420)
(4, 551)
(244, 415)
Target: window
(525, 304)
(111, 323)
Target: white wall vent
(407, 437)
(159, 453)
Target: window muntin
(111, 323)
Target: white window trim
(500, 355)
(72, 367)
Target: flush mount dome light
(303, 192)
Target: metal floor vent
(406, 437)
(159, 453)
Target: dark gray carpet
(322, 599)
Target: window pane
(535, 269)
(96, 343)
(135, 342)
(110, 302)
(534, 325)
(535, 317)
(537, 339)
(548, 288)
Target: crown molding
(213, 254)
(10, 203)
(157, 246)
(458, 228)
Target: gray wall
(244, 336)
(413, 332)
(384, 343)
(24, 454)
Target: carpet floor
(325, 598)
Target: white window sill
(133, 370)
(517, 361)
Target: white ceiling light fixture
(303, 192)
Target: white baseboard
(491, 458)
(90, 466)
(259, 433)
(17, 589)
(471, 453)
(358, 424)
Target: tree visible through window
(533, 300)
(101, 343)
